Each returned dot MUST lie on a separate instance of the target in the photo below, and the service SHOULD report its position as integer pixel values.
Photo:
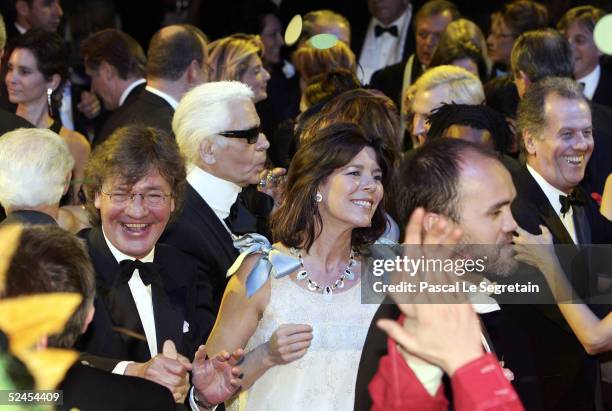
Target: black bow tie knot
(574, 199)
(379, 30)
(148, 272)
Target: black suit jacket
(197, 231)
(567, 384)
(600, 164)
(509, 343)
(140, 108)
(28, 217)
(90, 389)
(390, 79)
(603, 92)
(186, 299)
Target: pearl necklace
(326, 290)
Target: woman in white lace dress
(296, 307)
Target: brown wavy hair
(297, 222)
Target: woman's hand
(537, 250)
(288, 343)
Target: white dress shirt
(219, 194)
(169, 99)
(590, 82)
(129, 89)
(386, 49)
(553, 193)
(143, 299)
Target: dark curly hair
(297, 222)
(52, 57)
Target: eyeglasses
(251, 135)
(152, 199)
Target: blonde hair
(229, 56)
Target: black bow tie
(379, 30)
(231, 219)
(148, 272)
(574, 199)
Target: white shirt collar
(169, 99)
(219, 194)
(551, 192)
(129, 89)
(590, 82)
(119, 256)
(20, 28)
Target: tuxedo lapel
(208, 217)
(116, 296)
(168, 318)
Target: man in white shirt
(152, 309)
(217, 130)
(388, 39)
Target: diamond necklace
(327, 290)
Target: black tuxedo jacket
(88, 388)
(186, 300)
(140, 108)
(603, 92)
(600, 164)
(197, 231)
(532, 208)
(28, 217)
(390, 79)
(508, 341)
(567, 374)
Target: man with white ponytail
(218, 131)
(35, 171)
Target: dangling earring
(318, 197)
(49, 106)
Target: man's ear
(529, 142)
(107, 71)
(207, 151)
(194, 72)
(67, 182)
(430, 220)
(88, 318)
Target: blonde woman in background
(238, 57)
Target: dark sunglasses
(251, 134)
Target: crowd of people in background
(211, 195)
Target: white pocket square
(185, 327)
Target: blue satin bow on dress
(271, 262)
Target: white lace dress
(324, 379)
